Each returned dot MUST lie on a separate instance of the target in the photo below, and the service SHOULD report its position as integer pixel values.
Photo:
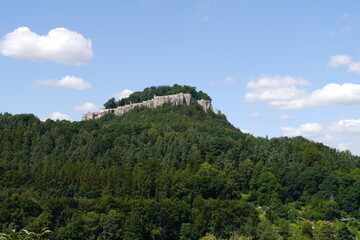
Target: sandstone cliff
(157, 101)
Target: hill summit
(175, 95)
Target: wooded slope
(174, 172)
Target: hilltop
(149, 92)
(157, 101)
(172, 172)
(153, 97)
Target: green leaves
(174, 172)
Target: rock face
(157, 101)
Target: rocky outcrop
(157, 101)
(206, 104)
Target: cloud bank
(344, 61)
(87, 107)
(123, 94)
(275, 89)
(342, 135)
(284, 93)
(57, 116)
(66, 82)
(59, 45)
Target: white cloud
(329, 139)
(343, 146)
(342, 135)
(306, 130)
(339, 60)
(59, 45)
(336, 94)
(245, 131)
(283, 93)
(87, 107)
(254, 115)
(354, 67)
(344, 61)
(276, 82)
(280, 94)
(74, 82)
(346, 126)
(346, 94)
(67, 82)
(49, 82)
(286, 117)
(336, 142)
(123, 94)
(57, 116)
(275, 89)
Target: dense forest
(149, 92)
(174, 172)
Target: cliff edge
(157, 101)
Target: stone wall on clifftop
(157, 101)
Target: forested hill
(174, 172)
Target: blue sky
(274, 68)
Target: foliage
(174, 172)
(343, 233)
(324, 231)
(23, 234)
(110, 103)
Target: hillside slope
(174, 172)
